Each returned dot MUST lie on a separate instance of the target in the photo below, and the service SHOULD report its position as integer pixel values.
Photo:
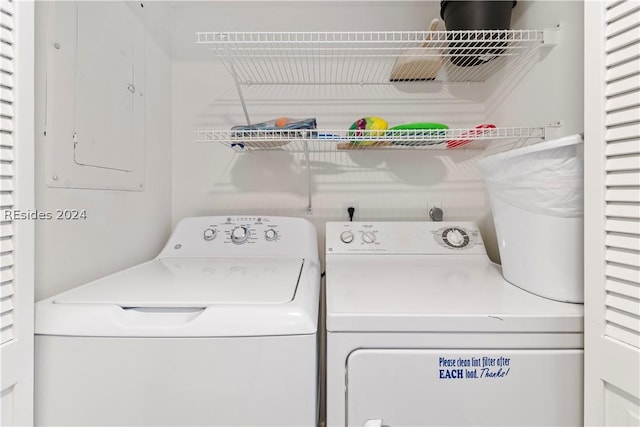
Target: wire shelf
(315, 140)
(371, 57)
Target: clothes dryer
(219, 329)
(423, 330)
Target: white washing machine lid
(403, 293)
(193, 282)
(190, 297)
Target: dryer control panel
(404, 238)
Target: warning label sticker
(481, 367)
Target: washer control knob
(209, 234)
(240, 235)
(346, 236)
(368, 237)
(271, 235)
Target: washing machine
(219, 329)
(423, 330)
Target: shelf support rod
(241, 96)
(236, 79)
(306, 159)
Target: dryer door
(411, 387)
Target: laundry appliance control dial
(240, 235)
(346, 236)
(209, 234)
(368, 237)
(270, 235)
(455, 237)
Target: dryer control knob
(346, 236)
(456, 237)
(209, 234)
(368, 237)
(240, 235)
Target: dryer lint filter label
(474, 367)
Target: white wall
(122, 228)
(551, 91)
(188, 90)
(211, 179)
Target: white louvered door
(612, 213)
(16, 193)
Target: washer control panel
(243, 230)
(247, 235)
(404, 238)
(241, 233)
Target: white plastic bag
(545, 178)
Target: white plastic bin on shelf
(536, 195)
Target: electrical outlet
(433, 204)
(344, 214)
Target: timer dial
(240, 235)
(455, 237)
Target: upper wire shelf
(315, 140)
(372, 57)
